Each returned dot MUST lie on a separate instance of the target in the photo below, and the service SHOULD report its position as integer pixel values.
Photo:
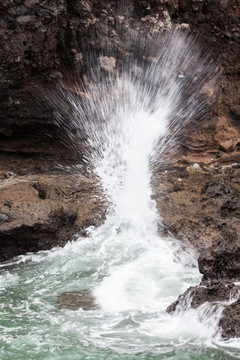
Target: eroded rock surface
(200, 204)
(40, 212)
(222, 259)
(230, 321)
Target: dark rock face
(40, 40)
(195, 205)
(222, 260)
(201, 206)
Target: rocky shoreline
(42, 207)
(200, 206)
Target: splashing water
(128, 119)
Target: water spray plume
(153, 96)
(128, 118)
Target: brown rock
(40, 212)
(199, 207)
(236, 111)
(227, 136)
(39, 40)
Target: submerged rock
(75, 300)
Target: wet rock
(205, 211)
(37, 40)
(207, 291)
(217, 293)
(199, 206)
(230, 321)
(83, 299)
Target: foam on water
(128, 121)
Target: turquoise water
(33, 327)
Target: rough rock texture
(195, 204)
(200, 206)
(39, 212)
(222, 259)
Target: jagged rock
(222, 259)
(219, 189)
(227, 136)
(207, 291)
(37, 40)
(107, 63)
(199, 206)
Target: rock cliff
(41, 39)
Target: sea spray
(130, 119)
(163, 92)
